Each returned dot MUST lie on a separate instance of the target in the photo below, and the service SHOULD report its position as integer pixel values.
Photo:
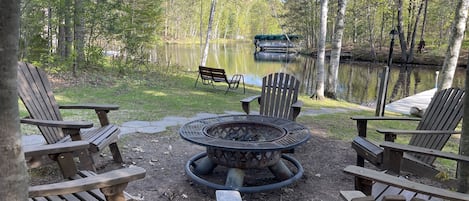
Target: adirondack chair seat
(99, 138)
(433, 131)
(373, 153)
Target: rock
(415, 111)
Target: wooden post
(383, 88)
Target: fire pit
(244, 131)
(242, 142)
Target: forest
(72, 35)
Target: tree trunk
(209, 33)
(410, 55)
(50, 41)
(319, 94)
(79, 36)
(370, 15)
(14, 178)
(333, 72)
(424, 22)
(454, 45)
(400, 24)
(463, 168)
(67, 30)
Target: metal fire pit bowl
(248, 132)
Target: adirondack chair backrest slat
(36, 93)
(279, 92)
(445, 111)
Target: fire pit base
(235, 177)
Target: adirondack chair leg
(361, 127)
(363, 185)
(114, 193)
(102, 116)
(116, 154)
(67, 165)
(245, 107)
(295, 113)
(392, 160)
(86, 161)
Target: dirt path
(164, 155)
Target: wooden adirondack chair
(81, 185)
(36, 94)
(279, 97)
(438, 123)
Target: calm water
(357, 81)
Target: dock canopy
(276, 37)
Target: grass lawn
(151, 96)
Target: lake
(357, 81)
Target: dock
(420, 100)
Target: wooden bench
(210, 75)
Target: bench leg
(195, 85)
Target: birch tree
(209, 33)
(319, 94)
(333, 72)
(13, 174)
(454, 45)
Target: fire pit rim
(296, 134)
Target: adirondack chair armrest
(393, 153)
(62, 153)
(115, 180)
(57, 148)
(101, 110)
(296, 107)
(416, 132)
(90, 106)
(362, 121)
(365, 178)
(246, 101)
(59, 124)
(420, 150)
(390, 134)
(385, 118)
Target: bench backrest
(213, 74)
